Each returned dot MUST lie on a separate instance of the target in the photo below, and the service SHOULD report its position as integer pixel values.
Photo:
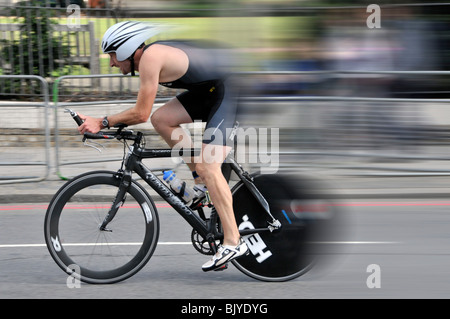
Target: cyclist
(208, 97)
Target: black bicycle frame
(133, 162)
(163, 190)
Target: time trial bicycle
(102, 227)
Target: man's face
(124, 66)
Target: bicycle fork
(119, 200)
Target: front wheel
(77, 244)
(305, 216)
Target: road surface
(396, 249)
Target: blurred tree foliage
(36, 51)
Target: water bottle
(177, 185)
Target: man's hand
(90, 124)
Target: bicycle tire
(290, 252)
(81, 249)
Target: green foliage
(37, 51)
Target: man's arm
(149, 70)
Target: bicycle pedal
(221, 268)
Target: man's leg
(167, 119)
(209, 169)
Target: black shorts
(215, 104)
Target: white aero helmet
(126, 37)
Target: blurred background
(350, 91)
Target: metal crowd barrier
(404, 157)
(62, 106)
(20, 122)
(70, 157)
(302, 155)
